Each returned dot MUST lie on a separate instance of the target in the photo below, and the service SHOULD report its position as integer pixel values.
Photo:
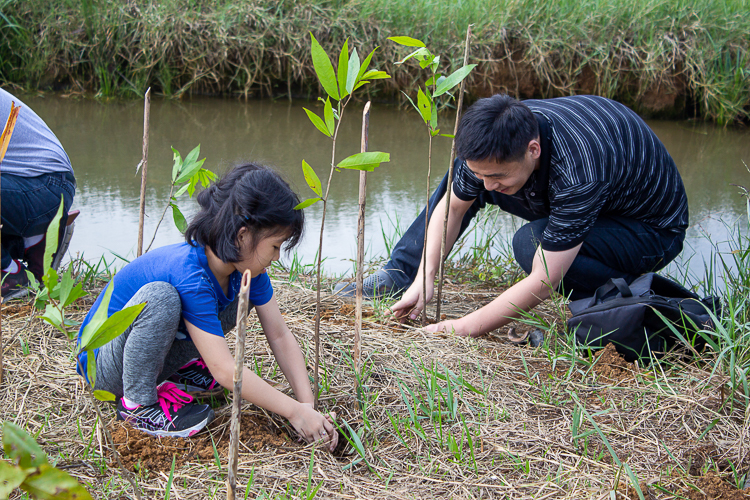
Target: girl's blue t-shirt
(185, 267)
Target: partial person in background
(34, 175)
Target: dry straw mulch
(666, 422)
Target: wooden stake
(360, 249)
(450, 180)
(4, 141)
(144, 167)
(239, 365)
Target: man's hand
(450, 327)
(412, 303)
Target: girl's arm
(286, 350)
(310, 424)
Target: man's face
(507, 177)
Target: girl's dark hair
(496, 128)
(251, 196)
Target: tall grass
(659, 56)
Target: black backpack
(625, 315)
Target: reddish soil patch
(713, 487)
(611, 365)
(139, 451)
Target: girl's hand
(314, 426)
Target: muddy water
(103, 140)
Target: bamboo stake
(4, 141)
(239, 364)
(450, 180)
(144, 166)
(361, 248)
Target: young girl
(190, 290)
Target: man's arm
(412, 302)
(547, 272)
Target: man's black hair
(496, 128)
(251, 196)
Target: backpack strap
(622, 287)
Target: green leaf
(189, 170)
(422, 52)
(323, 68)
(364, 161)
(91, 367)
(104, 396)
(363, 67)
(76, 293)
(51, 281)
(424, 106)
(51, 483)
(53, 317)
(328, 115)
(192, 156)
(66, 285)
(11, 478)
(177, 164)
(407, 41)
(360, 84)
(375, 75)
(343, 68)
(100, 316)
(53, 231)
(21, 447)
(312, 178)
(454, 79)
(451, 136)
(433, 117)
(114, 326)
(316, 120)
(352, 72)
(182, 190)
(179, 219)
(307, 203)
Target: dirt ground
(442, 417)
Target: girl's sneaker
(195, 377)
(173, 415)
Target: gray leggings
(133, 364)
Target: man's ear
(534, 148)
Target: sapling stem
(426, 226)
(316, 376)
(171, 191)
(361, 248)
(239, 364)
(144, 168)
(459, 104)
(4, 141)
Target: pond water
(103, 140)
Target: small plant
(339, 85)
(427, 107)
(186, 175)
(31, 472)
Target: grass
(684, 57)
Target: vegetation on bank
(662, 57)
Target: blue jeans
(616, 247)
(28, 206)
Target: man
(34, 175)
(603, 197)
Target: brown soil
(141, 451)
(611, 365)
(713, 487)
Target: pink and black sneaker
(173, 415)
(195, 377)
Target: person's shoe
(15, 284)
(173, 415)
(195, 377)
(377, 285)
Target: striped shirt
(598, 159)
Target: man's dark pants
(28, 206)
(616, 247)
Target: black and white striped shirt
(599, 158)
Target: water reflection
(103, 140)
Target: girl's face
(266, 251)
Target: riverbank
(663, 58)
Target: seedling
(339, 86)
(427, 107)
